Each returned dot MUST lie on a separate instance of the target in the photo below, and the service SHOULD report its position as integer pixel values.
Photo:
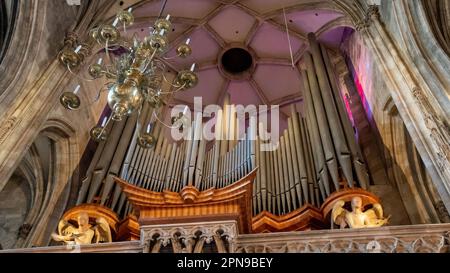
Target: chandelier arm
(173, 85)
(107, 52)
(109, 73)
(110, 47)
(96, 99)
(104, 46)
(173, 92)
(163, 123)
(79, 77)
(161, 64)
(170, 58)
(149, 61)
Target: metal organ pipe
(300, 166)
(341, 149)
(360, 169)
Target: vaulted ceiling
(259, 25)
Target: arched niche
(41, 186)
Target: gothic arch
(47, 167)
(64, 161)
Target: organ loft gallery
(224, 126)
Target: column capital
(372, 13)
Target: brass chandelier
(135, 72)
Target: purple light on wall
(359, 87)
(362, 96)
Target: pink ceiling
(177, 8)
(269, 41)
(235, 30)
(177, 30)
(277, 83)
(242, 93)
(308, 20)
(265, 6)
(332, 37)
(202, 20)
(205, 49)
(208, 88)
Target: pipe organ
(316, 155)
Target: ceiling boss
(134, 69)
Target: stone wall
(14, 205)
(31, 83)
(393, 142)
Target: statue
(85, 233)
(357, 218)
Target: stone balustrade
(433, 238)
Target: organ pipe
(341, 149)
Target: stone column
(424, 120)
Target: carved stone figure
(357, 218)
(85, 233)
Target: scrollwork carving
(7, 127)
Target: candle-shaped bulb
(161, 32)
(192, 67)
(130, 9)
(99, 62)
(188, 41)
(168, 17)
(78, 49)
(76, 89)
(116, 21)
(105, 119)
(185, 110)
(148, 128)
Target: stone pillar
(423, 117)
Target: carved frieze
(188, 238)
(405, 239)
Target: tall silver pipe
(319, 115)
(301, 159)
(341, 148)
(313, 126)
(294, 164)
